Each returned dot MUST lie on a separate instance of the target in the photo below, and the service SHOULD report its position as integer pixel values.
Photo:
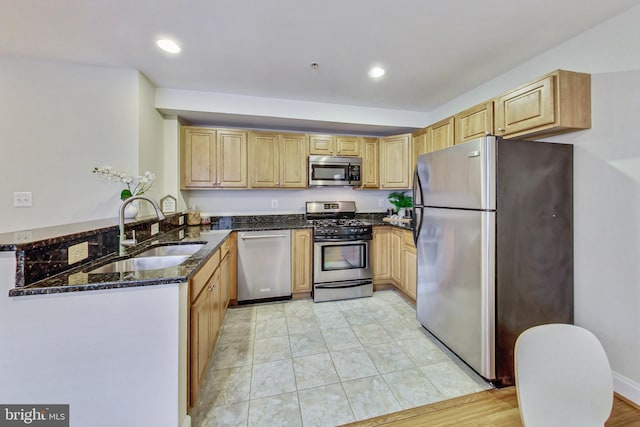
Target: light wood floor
(497, 408)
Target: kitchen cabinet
(441, 135)
(395, 240)
(302, 261)
(556, 103)
(278, 160)
(213, 158)
(329, 145)
(419, 143)
(380, 254)
(370, 163)
(228, 273)
(204, 321)
(394, 162)
(409, 276)
(474, 122)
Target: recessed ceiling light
(168, 46)
(376, 72)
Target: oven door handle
(342, 285)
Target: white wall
(58, 122)
(151, 151)
(258, 202)
(607, 184)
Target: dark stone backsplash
(45, 258)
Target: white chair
(563, 377)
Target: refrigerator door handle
(417, 209)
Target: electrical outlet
(181, 220)
(381, 203)
(22, 199)
(155, 228)
(77, 253)
(274, 204)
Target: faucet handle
(128, 242)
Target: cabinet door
(409, 273)
(394, 162)
(409, 265)
(232, 159)
(474, 122)
(198, 157)
(324, 145)
(293, 160)
(233, 267)
(396, 254)
(264, 155)
(370, 163)
(419, 142)
(381, 264)
(301, 263)
(225, 273)
(200, 340)
(215, 309)
(347, 146)
(441, 135)
(529, 107)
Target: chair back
(563, 377)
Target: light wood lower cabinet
(302, 261)
(380, 254)
(395, 259)
(409, 276)
(210, 291)
(396, 255)
(204, 321)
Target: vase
(402, 212)
(130, 211)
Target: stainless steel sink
(141, 263)
(168, 250)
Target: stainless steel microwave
(334, 170)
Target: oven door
(341, 261)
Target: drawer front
(201, 278)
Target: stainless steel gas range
(341, 251)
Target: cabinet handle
(210, 288)
(501, 130)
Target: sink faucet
(124, 242)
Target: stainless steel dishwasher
(264, 265)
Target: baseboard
(186, 422)
(626, 388)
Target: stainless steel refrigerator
(493, 225)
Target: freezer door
(456, 283)
(462, 176)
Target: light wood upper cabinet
(277, 160)
(213, 158)
(474, 122)
(440, 135)
(370, 163)
(419, 147)
(556, 103)
(323, 145)
(198, 158)
(329, 145)
(347, 146)
(395, 169)
(302, 263)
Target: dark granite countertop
(78, 278)
(211, 235)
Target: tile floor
(299, 363)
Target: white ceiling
(433, 50)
